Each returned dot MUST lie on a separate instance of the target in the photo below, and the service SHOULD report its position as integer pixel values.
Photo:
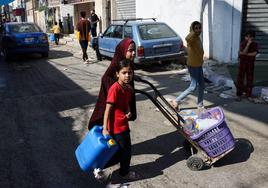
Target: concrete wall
(221, 22)
(29, 11)
(64, 10)
(100, 10)
(41, 20)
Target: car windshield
(24, 28)
(155, 31)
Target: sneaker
(86, 61)
(99, 175)
(132, 175)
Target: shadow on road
(241, 153)
(172, 154)
(39, 105)
(56, 54)
(167, 145)
(53, 54)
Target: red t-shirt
(253, 47)
(120, 98)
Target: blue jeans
(197, 79)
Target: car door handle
(162, 45)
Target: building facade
(224, 21)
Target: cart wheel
(195, 163)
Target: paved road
(45, 105)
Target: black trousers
(93, 31)
(57, 38)
(84, 45)
(123, 154)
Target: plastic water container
(95, 150)
(52, 37)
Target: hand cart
(206, 147)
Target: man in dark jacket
(93, 21)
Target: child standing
(115, 123)
(247, 54)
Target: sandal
(100, 175)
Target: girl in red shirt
(115, 122)
(126, 49)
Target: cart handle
(165, 111)
(168, 114)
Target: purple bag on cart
(217, 139)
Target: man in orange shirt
(83, 27)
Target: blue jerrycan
(52, 37)
(95, 150)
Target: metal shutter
(255, 17)
(126, 9)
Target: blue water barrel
(52, 37)
(95, 150)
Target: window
(155, 31)
(128, 32)
(24, 28)
(114, 31)
(118, 31)
(109, 31)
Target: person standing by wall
(83, 27)
(194, 63)
(61, 26)
(94, 19)
(247, 54)
(68, 20)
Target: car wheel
(45, 54)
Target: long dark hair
(194, 24)
(124, 63)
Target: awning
(5, 2)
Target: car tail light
(140, 51)
(182, 46)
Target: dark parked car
(21, 38)
(155, 41)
